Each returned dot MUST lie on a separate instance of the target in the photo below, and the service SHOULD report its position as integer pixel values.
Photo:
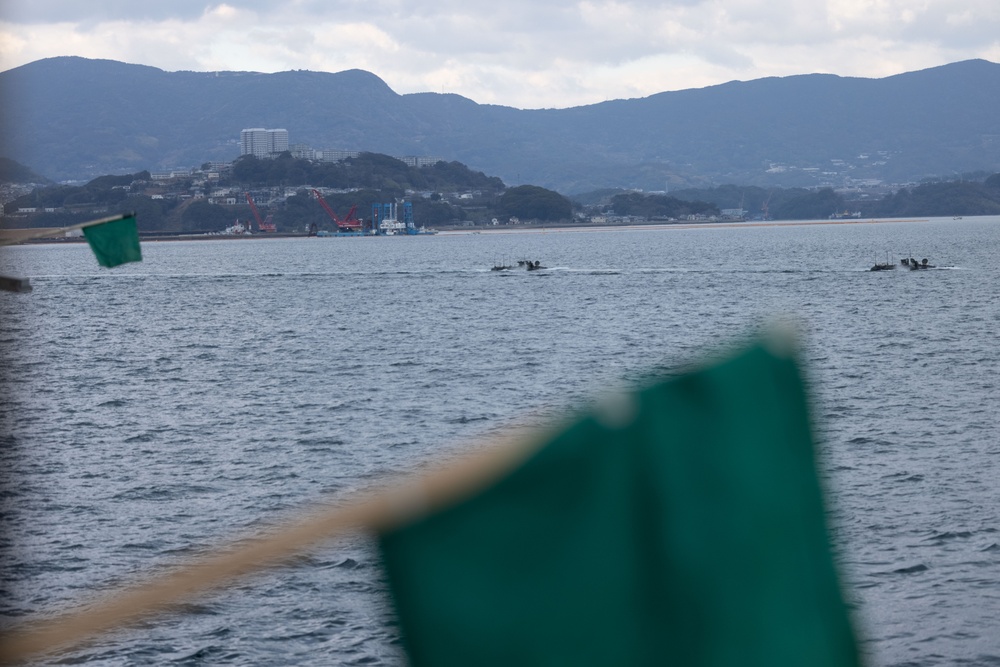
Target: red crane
(350, 222)
(266, 225)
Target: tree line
(373, 171)
(364, 180)
(977, 196)
(372, 178)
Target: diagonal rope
(372, 511)
(48, 232)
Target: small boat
(906, 263)
(502, 266)
(914, 265)
(883, 266)
(524, 263)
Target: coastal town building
(329, 155)
(420, 160)
(263, 143)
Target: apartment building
(263, 143)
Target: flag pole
(48, 231)
(374, 511)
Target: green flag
(684, 526)
(115, 242)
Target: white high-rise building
(254, 142)
(279, 140)
(263, 143)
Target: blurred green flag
(683, 526)
(115, 242)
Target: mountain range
(71, 118)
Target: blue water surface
(155, 409)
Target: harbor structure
(387, 220)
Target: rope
(382, 510)
(48, 232)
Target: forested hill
(932, 199)
(285, 188)
(445, 194)
(74, 118)
(12, 171)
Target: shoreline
(505, 229)
(671, 225)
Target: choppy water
(154, 409)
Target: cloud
(521, 52)
(77, 11)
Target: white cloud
(521, 53)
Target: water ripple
(161, 407)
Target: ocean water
(157, 409)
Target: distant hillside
(73, 118)
(15, 172)
(283, 187)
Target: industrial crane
(767, 213)
(349, 223)
(264, 226)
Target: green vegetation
(808, 205)
(182, 205)
(941, 199)
(369, 170)
(63, 205)
(659, 206)
(947, 198)
(771, 203)
(199, 215)
(530, 202)
(443, 194)
(15, 172)
(892, 129)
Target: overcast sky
(521, 53)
